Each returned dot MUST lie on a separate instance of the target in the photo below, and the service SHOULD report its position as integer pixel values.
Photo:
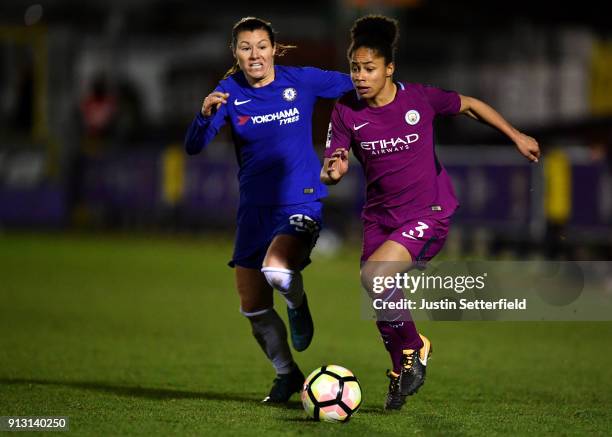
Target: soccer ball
(331, 393)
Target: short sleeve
(327, 84)
(444, 102)
(338, 135)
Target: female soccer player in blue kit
(269, 108)
(410, 199)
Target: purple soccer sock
(400, 320)
(393, 343)
(408, 333)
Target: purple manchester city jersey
(395, 145)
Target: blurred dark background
(95, 98)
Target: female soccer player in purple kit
(269, 109)
(410, 198)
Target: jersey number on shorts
(420, 229)
(303, 223)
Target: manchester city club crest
(289, 94)
(412, 117)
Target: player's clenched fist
(213, 100)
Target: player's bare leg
(253, 289)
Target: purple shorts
(423, 238)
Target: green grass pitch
(138, 335)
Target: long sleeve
(203, 129)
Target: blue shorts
(258, 225)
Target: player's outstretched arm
(205, 126)
(335, 168)
(484, 113)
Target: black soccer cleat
(414, 366)
(301, 326)
(284, 386)
(395, 400)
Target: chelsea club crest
(289, 94)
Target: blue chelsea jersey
(272, 131)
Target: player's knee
(280, 279)
(366, 276)
(372, 279)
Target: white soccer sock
(270, 332)
(287, 282)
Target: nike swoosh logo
(423, 362)
(425, 353)
(404, 234)
(240, 102)
(360, 126)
